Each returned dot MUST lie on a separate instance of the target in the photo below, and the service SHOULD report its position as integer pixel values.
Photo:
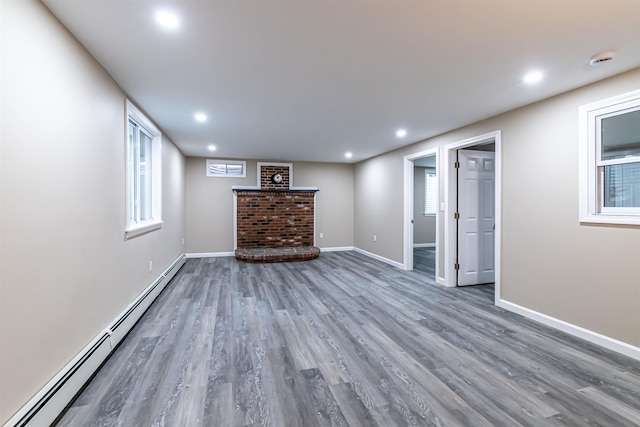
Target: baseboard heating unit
(53, 398)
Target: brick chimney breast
(266, 177)
(275, 216)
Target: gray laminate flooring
(424, 261)
(346, 340)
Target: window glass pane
(144, 138)
(133, 172)
(235, 170)
(143, 192)
(430, 193)
(145, 177)
(621, 136)
(217, 169)
(622, 185)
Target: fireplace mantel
(239, 189)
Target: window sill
(633, 220)
(428, 214)
(142, 229)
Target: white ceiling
(426, 162)
(310, 79)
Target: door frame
(408, 208)
(451, 195)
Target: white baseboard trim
(49, 402)
(338, 249)
(441, 281)
(380, 258)
(577, 331)
(424, 245)
(210, 254)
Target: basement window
(144, 174)
(610, 166)
(226, 168)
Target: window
(610, 160)
(144, 190)
(226, 168)
(430, 192)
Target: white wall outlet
(375, 238)
(150, 266)
(322, 235)
(183, 240)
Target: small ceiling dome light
(348, 154)
(167, 20)
(533, 77)
(401, 133)
(201, 117)
(212, 147)
(601, 58)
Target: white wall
(585, 275)
(66, 269)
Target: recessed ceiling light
(167, 19)
(212, 147)
(533, 77)
(201, 117)
(348, 154)
(401, 133)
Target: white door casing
(408, 210)
(476, 225)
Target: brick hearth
(264, 255)
(275, 224)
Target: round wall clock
(276, 178)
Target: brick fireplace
(275, 222)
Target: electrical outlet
(150, 266)
(375, 238)
(183, 240)
(322, 235)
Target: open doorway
(422, 213)
(472, 211)
(425, 193)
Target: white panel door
(476, 186)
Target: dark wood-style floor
(346, 340)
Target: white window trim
(226, 162)
(589, 179)
(133, 230)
